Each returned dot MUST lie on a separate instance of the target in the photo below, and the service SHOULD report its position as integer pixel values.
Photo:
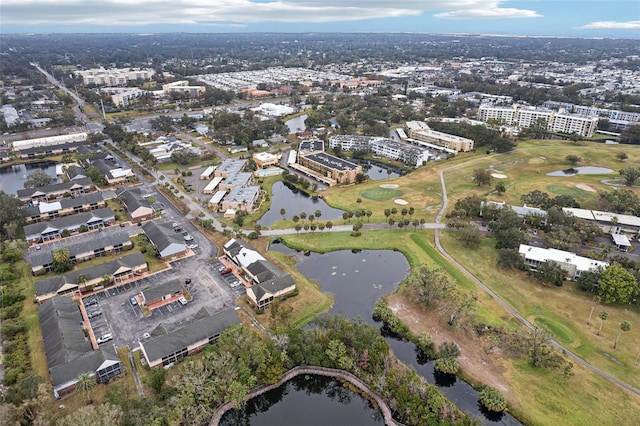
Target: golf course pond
(585, 170)
(357, 278)
(288, 197)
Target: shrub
(492, 399)
(447, 365)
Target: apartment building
(114, 76)
(571, 263)
(384, 147)
(67, 206)
(182, 87)
(444, 140)
(334, 168)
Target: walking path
(320, 371)
(136, 377)
(504, 304)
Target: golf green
(381, 194)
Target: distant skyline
(564, 18)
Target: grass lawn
(564, 311)
(30, 315)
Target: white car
(104, 338)
(235, 284)
(192, 246)
(175, 224)
(182, 300)
(188, 237)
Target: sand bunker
(400, 201)
(499, 175)
(389, 186)
(585, 187)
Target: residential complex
(571, 263)
(114, 76)
(332, 170)
(384, 147)
(440, 139)
(554, 121)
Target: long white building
(571, 263)
(383, 147)
(559, 122)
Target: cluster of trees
(631, 135)
(125, 141)
(240, 361)
(243, 130)
(618, 283)
(481, 135)
(20, 381)
(621, 201)
(540, 199)
(11, 215)
(37, 179)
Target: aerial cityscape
(268, 212)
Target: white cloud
(137, 12)
(612, 25)
(491, 13)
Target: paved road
(504, 304)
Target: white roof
(214, 183)
(579, 213)
(118, 173)
(208, 171)
(560, 256)
(246, 257)
(621, 240)
(623, 219)
(265, 156)
(49, 207)
(217, 197)
(293, 154)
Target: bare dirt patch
(585, 187)
(474, 360)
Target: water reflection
(12, 177)
(296, 124)
(585, 170)
(286, 196)
(306, 400)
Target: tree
(596, 300)
(282, 213)
(60, 255)
(492, 399)
(630, 175)
(624, 327)
(431, 283)
(621, 156)
(447, 365)
(37, 179)
(317, 214)
(617, 285)
(470, 236)
(500, 188)
(85, 382)
(369, 213)
(298, 227)
(603, 317)
(156, 379)
(509, 258)
(550, 273)
(295, 219)
(105, 414)
(573, 159)
(482, 177)
(329, 225)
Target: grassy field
(564, 311)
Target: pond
(585, 170)
(377, 173)
(306, 400)
(357, 279)
(12, 177)
(296, 124)
(286, 196)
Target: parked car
(145, 336)
(94, 314)
(122, 225)
(188, 237)
(226, 271)
(104, 338)
(182, 300)
(91, 302)
(193, 246)
(222, 268)
(178, 229)
(133, 301)
(187, 281)
(235, 284)
(175, 224)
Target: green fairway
(381, 194)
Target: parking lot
(234, 283)
(126, 322)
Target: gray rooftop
(132, 199)
(170, 287)
(70, 222)
(100, 240)
(56, 187)
(205, 325)
(88, 362)
(272, 286)
(237, 179)
(231, 166)
(162, 235)
(243, 194)
(69, 203)
(331, 161)
(53, 284)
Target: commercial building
(611, 223)
(55, 191)
(137, 207)
(169, 243)
(96, 245)
(44, 211)
(571, 263)
(52, 230)
(229, 167)
(48, 141)
(168, 345)
(267, 280)
(117, 272)
(242, 198)
(68, 351)
(208, 172)
(265, 159)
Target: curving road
(505, 305)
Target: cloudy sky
(574, 18)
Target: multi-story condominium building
(571, 263)
(73, 188)
(444, 140)
(384, 147)
(114, 76)
(591, 111)
(67, 206)
(52, 230)
(560, 122)
(334, 168)
(182, 87)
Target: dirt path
(474, 360)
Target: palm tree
(317, 214)
(82, 279)
(85, 382)
(329, 225)
(624, 326)
(603, 317)
(369, 213)
(492, 399)
(596, 299)
(393, 212)
(61, 255)
(303, 216)
(282, 213)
